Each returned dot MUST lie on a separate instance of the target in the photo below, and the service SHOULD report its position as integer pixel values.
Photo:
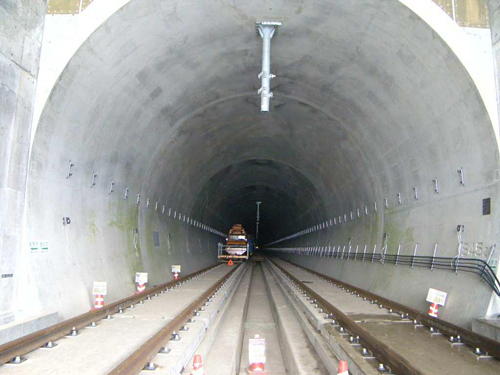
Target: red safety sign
(141, 279)
(433, 310)
(99, 301)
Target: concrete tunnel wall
(161, 99)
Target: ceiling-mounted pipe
(266, 30)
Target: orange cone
(197, 365)
(230, 263)
(343, 368)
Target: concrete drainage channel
(261, 306)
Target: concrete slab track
(98, 350)
(431, 354)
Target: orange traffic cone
(343, 368)
(230, 263)
(197, 365)
(433, 310)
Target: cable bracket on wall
(94, 176)
(462, 176)
(436, 185)
(70, 165)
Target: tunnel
(151, 145)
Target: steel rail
(468, 337)
(386, 355)
(136, 362)
(26, 344)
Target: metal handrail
(472, 265)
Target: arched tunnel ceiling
(165, 93)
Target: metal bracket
(70, 164)
(436, 185)
(93, 183)
(462, 176)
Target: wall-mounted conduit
(477, 266)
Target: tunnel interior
(159, 113)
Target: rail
(455, 264)
(136, 362)
(383, 352)
(474, 340)
(37, 339)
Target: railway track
(118, 337)
(309, 321)
(392, 337)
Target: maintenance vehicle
(237, 247)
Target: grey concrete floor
(430, 354)
(98, 350)
(260, 321)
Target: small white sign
(42, 246)
(34, 246)
(436, 296)
(176, 268)
(99, 287)
(257, 350)
(141, 277)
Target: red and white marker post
(436, 298)
(257, 356)
(343, 368)
(141, 280)
(176, 270)
(433, 310)
(197, 365)
(99, 289)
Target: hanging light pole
(266, 30)
(257, 225)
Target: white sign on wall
(176, 268)
(34, 246)
(99, 288)
(39, 246)
(436, 296)
(141, 277)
